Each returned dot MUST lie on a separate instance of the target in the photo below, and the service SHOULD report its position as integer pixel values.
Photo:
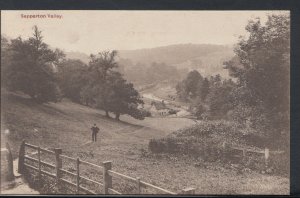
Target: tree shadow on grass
(12, 98)
(113, 120)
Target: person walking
(95, 130)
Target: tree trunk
(117, 116)
(107, 114)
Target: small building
(159, 109)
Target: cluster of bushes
(205, 141)
(230, 131)
(218, 130)
(169, 145)
(210, 151)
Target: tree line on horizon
(30, 66)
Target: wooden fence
(243, 151)
(106, 168)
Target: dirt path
(19, 186)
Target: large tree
(100, 68)
(262, 68)
(31, 67)
(109, 89)
(123, 98)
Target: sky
(94, 31)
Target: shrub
(152, 146)
(173, 111)
(156, 146)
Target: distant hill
(206, 58)
(174, 54)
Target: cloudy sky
(93, 31)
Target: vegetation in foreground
(205, 141)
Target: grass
(67, 125)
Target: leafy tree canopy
(31, 67)
(262, 68)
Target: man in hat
(95, 130)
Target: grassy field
(67, 125)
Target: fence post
(138, 185)
(267, 155)
(188, 191)
(21, 158)
(78, 177)
(58, 166)
(244, 152)
(224, 151)
(10, 163)
(39, 158)
(107, 179)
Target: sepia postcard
(145, 102)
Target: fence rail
(266, 152)
(106, 168)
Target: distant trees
(204, 89)
(29, 67)
(208, 97)
(189, 87)
(142, 74)
(159, 72)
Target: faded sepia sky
(93, 31)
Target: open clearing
(67, 125)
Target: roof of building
(159, 105)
